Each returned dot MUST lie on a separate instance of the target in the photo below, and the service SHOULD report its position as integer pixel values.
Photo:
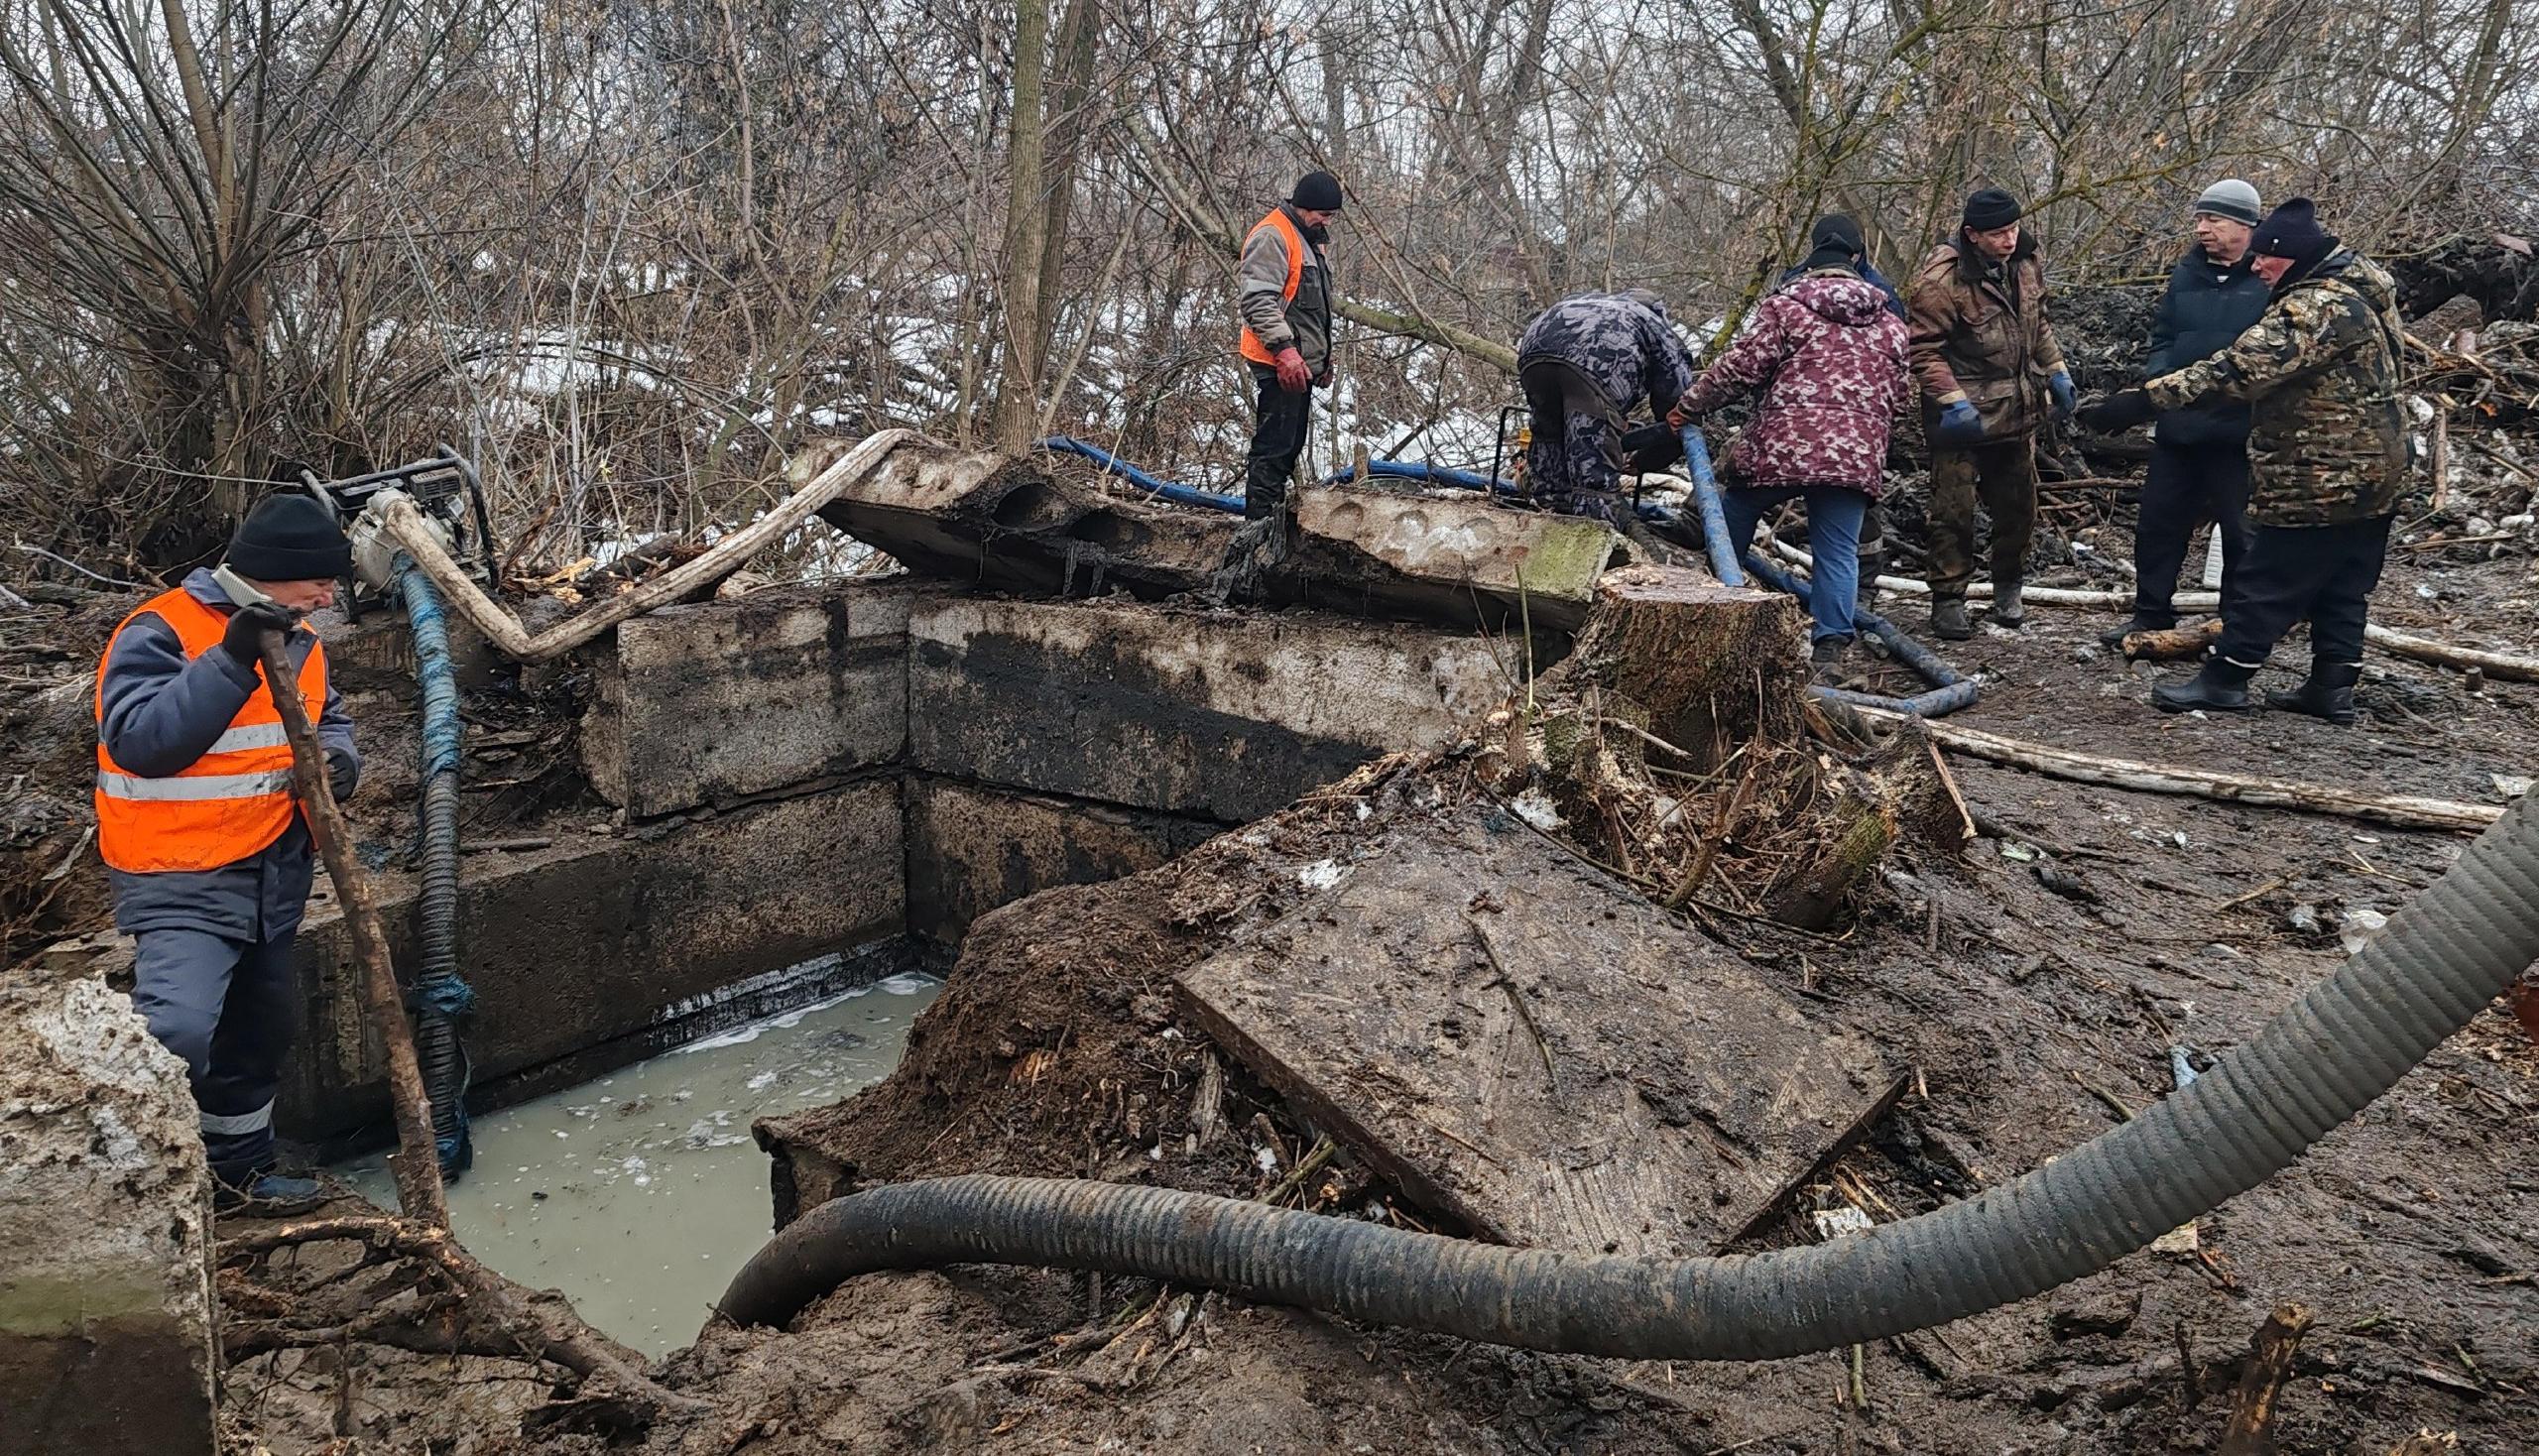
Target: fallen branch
(2252, 1428)
(2398, 812)
(543, 1326)
(402, 523)
(417, 1161)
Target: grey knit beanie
(2232, 198)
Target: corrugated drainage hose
(442, 998)
(2318, 1063)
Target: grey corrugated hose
(2349, 1040)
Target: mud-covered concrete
(1218, 715)
(604, 948)
(710, 703)
(106, 1318)
(972, 849)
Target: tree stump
(1704, 667)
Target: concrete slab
(1531, 1048)
(600, 950)
(106, 1317)
(973, 849)
(1451, 559)
(1015, 526)
(712, 703)
(1219, 715)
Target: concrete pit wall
(865, 769)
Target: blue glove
(1959, 426)
(2064, 400)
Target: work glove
(1960, 427)
(1653, 447)
(244, 637)
(2119, 412)
(1677, 417)
(341, 775)
(2060, 386)
(1293, 376)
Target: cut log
(2173, 643)
(1707, 667)
(2252, 1411)
(2398, 810)
(1563, 1070)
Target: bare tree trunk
(1026, 232)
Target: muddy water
(640, 1194)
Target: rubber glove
(1293, 376)
(1961, 426)
(244, 637)
(2119, 412)
(2060, 386)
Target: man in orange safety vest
(207, 852)
(1285, 284)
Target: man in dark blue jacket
(206, 849)
(2199, 454)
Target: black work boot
(1873, 562)
(2007, 609)
(2328, 692)
(1948, 619)
(2114, 637)
(2221, 687)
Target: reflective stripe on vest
(1252, 348)
(230, 803)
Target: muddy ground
(2169, 922)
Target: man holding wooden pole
(206, 848)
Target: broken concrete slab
(1220, 715)
(1437, 558)
(1033, 527)
(106, 1315)
(972, 849)
(717, 703)
(601, 950)
(1017, 526)
(1523, 1044)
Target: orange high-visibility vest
(233, 801)
(1252, 348)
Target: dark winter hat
(2293, 231)
(1646, 298)
(2232, 198)
(289, 537)
(1318, 190)
(1835, 230)
(1991, 209)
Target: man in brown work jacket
(1990, 373)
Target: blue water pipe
(1948, 691)
(1722, 557)
(442, 998)
(1156, 486)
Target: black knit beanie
(1989, 209)
(1834, 242)
(2293, 231)
(289, 537)
(1317, 191)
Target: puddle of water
(639, 1194)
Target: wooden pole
(417, 1162)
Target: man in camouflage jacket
(1584, 364)
(1990, 373)
(2328, 458)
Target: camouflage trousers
(1575, 462)
(2003, 473)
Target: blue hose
(1421, 470)
(1948, 691)
(442, 997)
(1156, 486)
(1722, 557)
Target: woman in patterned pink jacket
(1831, 361)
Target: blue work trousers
(1834, 515)
(225, 1008)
